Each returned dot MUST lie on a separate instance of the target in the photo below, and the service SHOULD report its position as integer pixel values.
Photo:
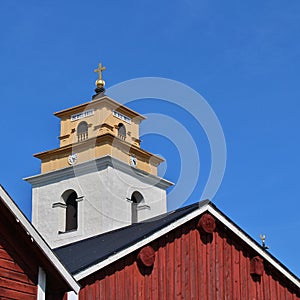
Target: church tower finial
(100, 83)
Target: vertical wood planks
(189, 266)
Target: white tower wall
(104, 188)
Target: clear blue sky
(243, 57)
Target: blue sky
(242, 57)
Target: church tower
(99, 178)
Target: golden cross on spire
(100, 83)
(100, 70)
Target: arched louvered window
(82, 131)
(121, 131)
(70, 198)
(136, 199)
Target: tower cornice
(105, 100)
(117, 147)
(100, 164)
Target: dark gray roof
(80, 255)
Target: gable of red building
(193, 253)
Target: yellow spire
(100, 82)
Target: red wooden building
(28, 267)
(195, 252)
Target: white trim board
(41, 287)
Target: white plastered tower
(99, 179)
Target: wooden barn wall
(189, 265)
(15, 283)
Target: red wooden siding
(189, 265)
(14, 280)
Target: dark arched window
(82, 131)
(121, 131)
(70, 198)
(136, 199)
